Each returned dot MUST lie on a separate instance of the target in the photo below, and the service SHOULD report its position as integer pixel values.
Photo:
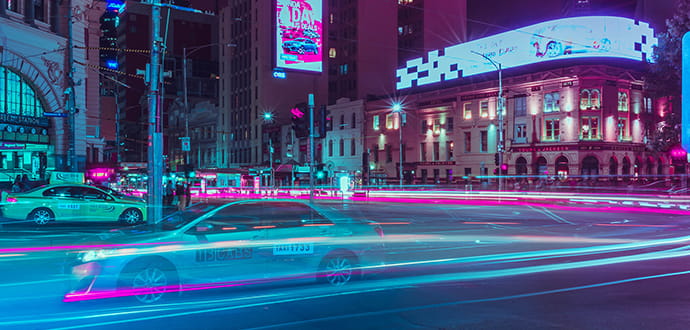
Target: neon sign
(567, 38)
(299, 35)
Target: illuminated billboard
(568, 38)
(299, 35)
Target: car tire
(148, 281)
(338, 270)
(41, 216)
(131, 217)
(301, 51)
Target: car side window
(290, 215)
(233, 218)
(90, 193)
(59, 192)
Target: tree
(663, 77)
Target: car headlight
(93, 255)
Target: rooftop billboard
(299, 35)
(567, 38)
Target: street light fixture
(397, 108)
(268, 118)
(500, 118)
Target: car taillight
(379, 231)
(11, 200)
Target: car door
(228, 246)
(65, 202)
(300, 237)
(98, 206)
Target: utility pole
(71, 97)
(155, 145)
(311, 148)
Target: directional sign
(186, 144)
(55, 114)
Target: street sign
(55, 114)
(186, 144)
(302, 169)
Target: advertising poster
(299, 35)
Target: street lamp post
(500, 118)
(268, 118)
(397, 108)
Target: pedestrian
(17, 184)
(169, 193)
(188, 194)
(180, 194)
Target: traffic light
(300, 120)
(496, 159)
(325, 122)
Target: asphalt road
(452, 266)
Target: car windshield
(179, 219)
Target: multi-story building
(578, 109)
(38, 72)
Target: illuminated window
(552, 102)
(623, 133)
(647, 104)
(331, 52)
(552, 129)
(520, 133)
(343, 69)
(17, 96)
(590, 99)
(449, 150)
(376, 123)
(405, 2)
(467, 111)
(437, 126)
(389, 121)
(589, 128)
(484, 109)
(622, 101)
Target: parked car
(72, 202)
(301, 46)
(241, 243)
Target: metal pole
(186, 105)
(500, 129)
(270, 162)
(311, 148)
(71, 97)
(155, 152)
(117, 126)
(401, 147)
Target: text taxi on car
(240, 243)
(72, 202)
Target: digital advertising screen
(299, 35)
(567, 38)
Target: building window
(375, 150)
(342, 147)
(449, 150)
(449, 123)
(389, 121)
(353, 149)
(590, 128)
(648, 104)
(468, 142)
(17, 96)
(552, 102)
(520, 106)
(424, 126)
(422, 151)
(389, 153)
(590, 99)
(331, 52)
(552, 129)
(623, 133)
(354, 120)
(376, 123)
(520, 133)
(330, 148)
(342, 70)
(484, 109)
(437, 126)
(342, 121)
(467, 111)
(622, 101)
(437, 151)
(484, 141)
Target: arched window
(342, 147)
(584, 99)
(590, 99)
(330, 148)
(595, 99)
(17, 96)
(622, 101)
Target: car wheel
(301, 51)
(150, 283)
(338, 270)
(131, 217)
(41, 216)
